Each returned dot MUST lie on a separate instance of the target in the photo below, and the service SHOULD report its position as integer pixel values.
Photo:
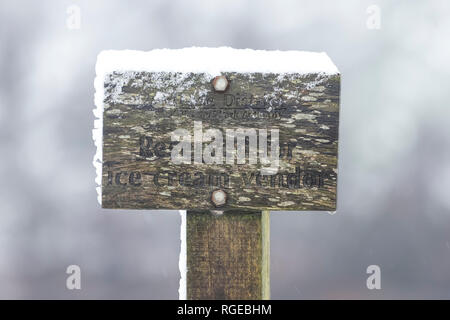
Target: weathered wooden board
(228, 255)
(143, 109)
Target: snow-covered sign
(204, 128)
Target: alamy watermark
(73, 20)
(208, 147)
(374, 280)
(73, 281)
(373, 21)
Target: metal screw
(220, 83)
(219, 198)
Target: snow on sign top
(213, 61)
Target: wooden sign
(218, 129)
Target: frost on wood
(142, 97)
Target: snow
(97, 136)
(213, 61)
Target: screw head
(218, 197)
(220, 83)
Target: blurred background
(394, 152)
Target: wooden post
(228, 255)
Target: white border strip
(97, 132)
(182, 263)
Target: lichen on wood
(142, 109)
